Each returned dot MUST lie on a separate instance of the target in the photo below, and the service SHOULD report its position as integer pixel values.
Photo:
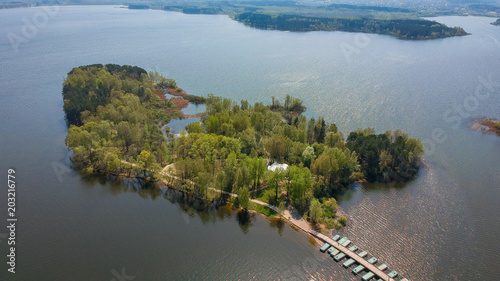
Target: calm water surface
(444, 225)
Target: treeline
(388, 156)
(138, 7)
(412, 29)
(114, 120)
(372, 8)
(194, 10)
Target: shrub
(342, 220)
(330, 223)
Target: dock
(359, 260)
(324, 247)
(348, 263)
(363, 254)
(382, 267)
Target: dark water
(441, 226)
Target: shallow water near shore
(443, 225)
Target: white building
(276, 166)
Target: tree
(248, 141)
(330, 207)
(315, 210)
(194, 128)
(275, 146)
(321, 130)
(342, 220)
(334, 140)
(203, 182)
(311, 138)
(244, 198)
(147, 161)
(257, 169)
(281, 209)
(299, 186)
(274, 179)
(308, 155)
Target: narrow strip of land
(293, 216)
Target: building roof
(276, 166)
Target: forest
(409, 29)
(116, 121)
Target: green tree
(299, 186)
(244, 198)
(308, 156)
(281, 209)
(194, 128)
(248, 140)
(315, 210)
(147, 161)
(274, 178)
(330, 207)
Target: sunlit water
(444, 225)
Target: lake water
(444, 225)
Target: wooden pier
(352, 255)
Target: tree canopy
(115, 118)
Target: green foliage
(244, 197)
(291, 105)
(330, 207)
(410, 29)
(194, 128)
(274, 179)
(114, 118)
(299, 186)
(342, 220)
(308, 156)
(195, 99)
(281, 208)
(316, 211)
(389, 156)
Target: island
(486, 125)
(497, 22)
(409, 29)
(293, 16)
(260, 157)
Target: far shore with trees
(116, 114)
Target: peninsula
(291, 16)
(486, 125)
(116, 115)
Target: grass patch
(268, 196)
(263, 210)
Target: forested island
(410, 29)
(288, 16)
(497, 22)
(116, 114)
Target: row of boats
(338, 255)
